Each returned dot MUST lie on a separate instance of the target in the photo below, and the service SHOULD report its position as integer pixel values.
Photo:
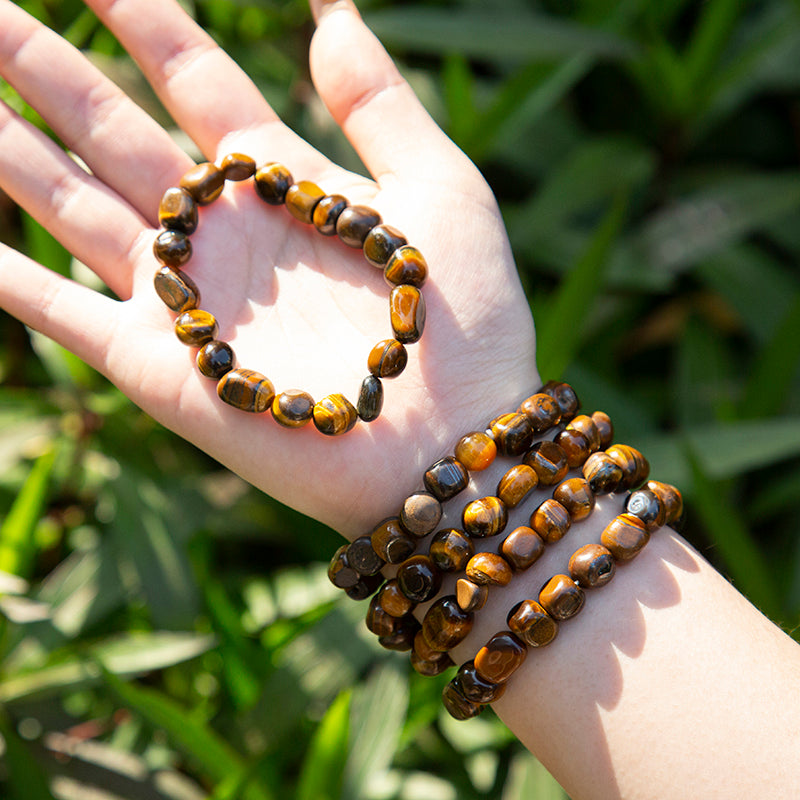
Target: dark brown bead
(635, 467)
(326, 212)
(172, 248)
(334, 415)
(551, 520)
(429, 668)
(484, 517)
(204, 182)
(624, 536)
(272, 181)
(237, 167)
(471, 596)
(591, 565)
(340, 573)
(402, 638)
(648, 507)
(419, 579)
(406, 266)
(393, 601)
(177, 290)
(585, 424)
(177, 211)
(500, 657)
(542, 411)
(446, 478)
(378, 621)
(476, 451)
(423, 649)
(363, 558)
(407, 313)
(457, 706)
(215, 359)
(489, 569)
(515, 485)
(195, 327)
(575, 446)
(391, 542)
(474, 687)
(301, 200)
(576, 496)
(604, 427)
(354, 223)
(548, 461)
(512, 433)
(445, 624)
(370, 399)
(365, 587)
(603, 473)
(451, 550)
(522, 547)
(387, 359)
(293, 408)
(565, 396)
(531, 623)
(246, 389)
(670, 497)
(561, 598)
(381, 243)
(420, 514)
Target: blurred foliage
(154, 613)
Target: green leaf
(529, 779)
(25, 779)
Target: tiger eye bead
(272, 181)
(445, 624)
(387, 359)
(420, 514)
(604, 427)
(204, 182)
(575, 446)
(451, 550)
(402, 637)
(177, 211)
(542, 411)
(603, 473)
(531, 623)
(430, 667)
(515, 485)
(474, 687)
(561, 598)
(365, 587)
(301, 200)
(362, 557)
(215, 359)
(551, 520)
(471, 596)
(548, 461)
(195, 327)
(419, 579)
(340, 573)
(512, 433)
(326, 212)
(634, 465)
(624, 536)
(292, 408)
(500, 657)
(476, 451)
(489, 569)
(370, 399)
(354, 223)
(484, 517)
(670, 497)
(378, 621)
(576, 496)
(246, 390)
(237, 167)
(407, 313)
(391, 542)
(393, 601)
(591, 565)
(177, 290)
(446, 478)
(522, 547)
(585, 424)
(406, 266)
(457, 706)
(648, 507)
(380, 244)
(172, 248)
(565, 396)
(334, 415)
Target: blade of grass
(25, 780)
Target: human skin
(669, 683)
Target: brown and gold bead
(591, 565)
(522, 547)
(237, 167)
(476, 451)
(204, 182)
(272, 181)
(512, 433)
(420, 514)
(370, 399)
(565, 396)
(301, 200)
(326, 213)
(406, 266)
(293, 408)
(561, 597)
(576, 496)
(551, 520)
(172, 248)
(446, 478)
(215, 359)
(451, 550)
(475, 688)
(362, 557)
(391, 542)
(625, 536)
(387, 359)
(177, 211)
(500, 657)
(445, 624)
(195, 327)
(484, 517)
(531, 623)
(471, 596)
(177, 290)
(355, 223)
(603, 473)
(542, 411)
(548, 461)
(334, 415)
(380, 243)
(393, 601)
(407, 313)
(457, 705)
(516, 484)
(489, 569)
(419, 579)
(246, 390)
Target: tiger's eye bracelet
(404, 269)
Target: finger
(87, 217)
(118, 141)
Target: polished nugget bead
(326, 212)
(591, 565)
(334, 415)
(457, 706)
(604, 427)
(177, 290)
(407, 313)
(423, 649)
(648, 507)
(603, 473)
(362, 557)
(420, 514)
(489, 569)
(370, 399)
(272, 181)
(551, 520)
(451, 549)
(624, 536)
(237, 167)
(215, 358)
(575, 446)
(670, 497)
(471, 596)
(430, 667)
(177, 211)
(380, 244)
(391, 542)
(500, 657)
(531, 623)
(402, 637)
(393, 601)
(565, 396)
(365, 587)
(406, 266)
(340, 573)
(246, 389)
(512, 433)
(522, 547)
(419, 579)
(561, 598)
(354, 223)
(635, 467)
(292, 408)
(445, 624)
(172, 248)
(542, 411)
(195, 327)
(548, 461)
(476, 451)
(484, 517)
(387, 359)
(378, 621)
(301, 200)
(576, 496)
(474, 687)
(586, 425)
(515, 485)
(204, 182)
(446, 478)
